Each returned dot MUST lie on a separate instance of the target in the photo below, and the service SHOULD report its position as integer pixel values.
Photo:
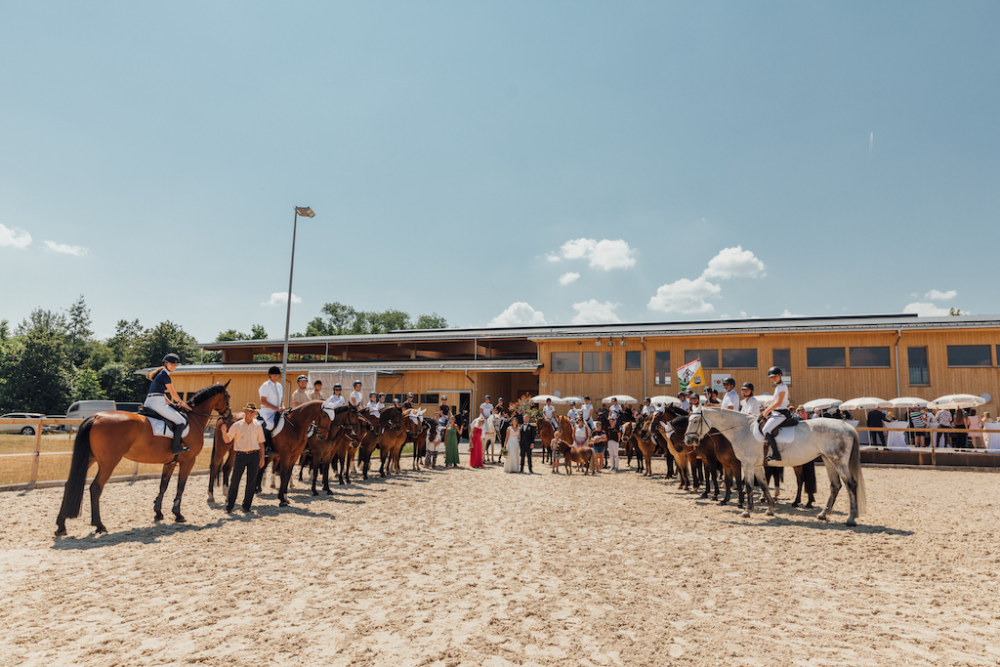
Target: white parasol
(541, 398)
(569, 399)
(622, 398)
(908, 402)
(956, 401)
(663, 399)
(821, 404)
(765, 399)
(865, 403)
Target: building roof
(388, 366)
(906, 321)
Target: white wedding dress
(513, 462)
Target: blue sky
(688, 160)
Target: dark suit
(526, 441)
(876, 419)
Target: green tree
(36, 375)
(257, 332)
(42, 319)
(78, 332)
(120, 383)
(87, 387)
(432, 321)
(230, 334)
(4, 330)
(99, 355)
(127, 341)
(955, 312)
(164, 338)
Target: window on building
(870, 357)
(782, 359)
(826, 357)
(429, 398)
(917, 359)
(969, 355)
(565, 362)
(633, 360)
(739, 358)
(709, 358)
(596, 362)
(661, 369)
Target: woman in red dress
(476, 448)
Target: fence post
(934, 435)
(38, 454)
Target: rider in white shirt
(731, 401)
(587, 410)
(272, 398)
(356, 397)
(751, 406)
(685, 400)
(373, 405)
(486, 409)
(549, 411)
(695, 403)
(573, 412)
(615, 409)
(776, 412)
(647, 407)
(335, 401)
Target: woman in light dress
(512, 444)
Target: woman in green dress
(451, 443)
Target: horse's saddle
(784, 434)
(160, 426)
(272, 430)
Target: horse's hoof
(822, 516)
(211, 500)
(746, 515)
(795, 504)
(315, 493)
(283, 503)
(159, 516)
(100, 529)
(770, 513)
(329, 492)
(61, 530)
(723, 502)
(852, 522)
(179, 518)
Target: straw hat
(249, 407)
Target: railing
(986, 433)
(36, 455)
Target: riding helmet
(729, 381)
(381, 396)
(171, 359)
(274, 370)
(748, 385)
(774, 370)
(337, 386)
(372, 395)
(302, 377)
(357, 382)
(647, 400)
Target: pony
(583, 456)
(834, 441)
(547, 433)
(108, 437)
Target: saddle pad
(783, 436)
(160, 429)
(277, 429)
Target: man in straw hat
(247, 437)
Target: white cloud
(788, 313)
(518, 314)
(13, 237)
(280, 299)
(925, 309)
(567, 278)
(734, 263)
(937, 295)
(604, 254)
(75, 250)
(595, 312)
(684, 296)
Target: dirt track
(464, 567)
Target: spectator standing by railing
(960, 440)
(917, 421)
(876, 419)
(943, 418)
(975, 423)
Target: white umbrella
(865, 403)
(956, 401)
(569, 399)
(663, 399)
(541, 398)
(622, 398)
(908, 402)
(821, 404)
(765, 399)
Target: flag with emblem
(691, 375)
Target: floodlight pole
(288, 310)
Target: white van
(84, 409)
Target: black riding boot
(773, 454)
(177, 447)
(268, 444)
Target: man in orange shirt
(248, 450)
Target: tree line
(52, 359)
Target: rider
(272, 396)
(331, 404)
(647, 407)
(731, 401)
(572, 414)
(356, 397)
(374, 407)
(408, 403)
(549, 411)
(588, 409)
(157, 402)
(615, 409)
(776, 412)
(683, 398)
(751, 406)
(301, 396)
(486, 409)
(695, 403)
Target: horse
(391, 441)
(638, 436)
(836, 442)
(716, 452)
(368, 441)
(108, 437)
(329, 438)
(218, 472)
(583, 455)
(547, 433)
(291, 440)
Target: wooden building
(829, 357)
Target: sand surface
(477, 567)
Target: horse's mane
(203, 395)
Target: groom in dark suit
(527, 443)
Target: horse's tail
(809, 477)
(855, 467)
(77, 480)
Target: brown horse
(218, 472)
(391, 441)
(638, 435)
(329, 438)
(290, 442)
(369, 438)
(570, 452)
(547, 433)
(108, 437)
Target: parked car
(23, 429)
(84, 409)
(128, 407)
(55, 428)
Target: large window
(739, 358)
(917, 359)
(782, 359)
(565, 362)
(633, 360)
(709, 358)
(969, 355)
(826, 357)
(661, 363)
(870, 357)
(596, 362)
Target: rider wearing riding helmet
(549, 411)
(731, 400)
(356, 398)
(272, 398)
(776, 412)
(156, 401)
(300, 395)
(751, 406)
(374, 407)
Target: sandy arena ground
(476, 567)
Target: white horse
(832, 439)
(490, 435)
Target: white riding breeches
(159, 405)
(267, 414)
(772, 422)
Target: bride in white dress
(513, 463)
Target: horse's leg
(762, 478)
(845, 475)
(100, 480)
(831, 471)
(168, 470)
(748, 477)
(649, 463)
(285, 475)
(182, 477)
(798, 486)
(347, 467)
(325, 467)
(728, 479)
(315, 476)
(670, 463)
(213, 470)
(227, 469)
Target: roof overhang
(386, 367)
